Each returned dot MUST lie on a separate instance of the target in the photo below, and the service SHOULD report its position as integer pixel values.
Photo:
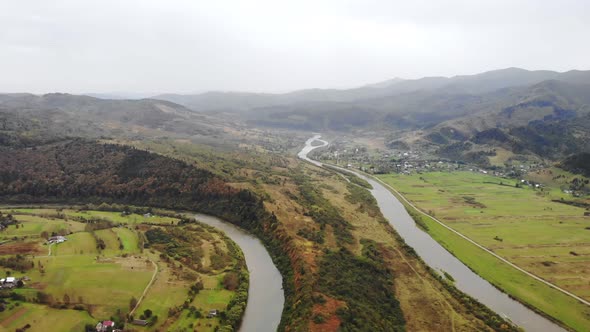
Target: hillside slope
(393, 105)
(31, 116)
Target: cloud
(259, 45)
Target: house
(104, 326)
(9, 282)
(56, 239)
(212, 313)
(140, 322)
(147, 215)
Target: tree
(45, 235)
(44, 298)
(231, 281)
(147, 313)
(132, 303)
(66, 299)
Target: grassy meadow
(99, 271)
(41, 318)
(523, 225)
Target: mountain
(385, 84)
(26, 116)
(550, 119)
(578, 163)
(466, 84)
(395, 104)
(542, 113)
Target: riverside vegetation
(531, 227)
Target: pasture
(102, 270)
(523, 225)
(41, 318)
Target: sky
(277, 46)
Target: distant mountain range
(457, 85)
(542, 113)
(545, 113)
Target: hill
(394, 104)
(579, 163)
(26, 116)
(550, 119)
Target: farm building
(104, 326)
(9, 282)
(57, 239)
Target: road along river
(265, 294)
(439, 258)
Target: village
(125, 251)
(412, 161)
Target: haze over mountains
(465, 84)
(545, 113)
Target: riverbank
(440, 259)
(261, 311)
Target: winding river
(439, 258)
(265, 294)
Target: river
(438, 258)
(265, 294)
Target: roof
(10, 279)
(108, 323)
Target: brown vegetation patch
(15, 315)
(134, 263)
(327, 310)
(12, 248)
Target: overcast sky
(257, 45)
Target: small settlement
(56, 239)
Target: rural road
(324, 143)
(482, 247)
(146, 288)
(438, 258)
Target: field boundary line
(574, 296)
(146, 288)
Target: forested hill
(25, 117)
(87, 171)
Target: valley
(487, 155)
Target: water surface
(438, 258)
(265, 294)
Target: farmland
(107, 262)
(529, 226)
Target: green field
(520, 224)
(118, 217)
(81, 243)
(103, 281)
(41, 318)
(33, 226)
(115, 217)
(128, 238)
